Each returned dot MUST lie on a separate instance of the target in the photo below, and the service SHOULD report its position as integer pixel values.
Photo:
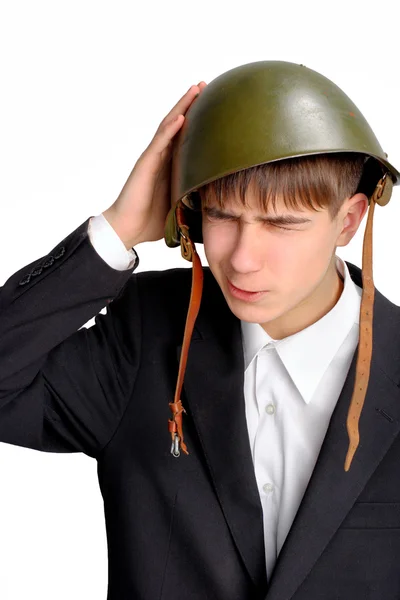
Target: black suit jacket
(190, 528)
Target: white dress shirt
(109, 245)
(291, 387)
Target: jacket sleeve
(65, 389)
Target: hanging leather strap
(380, 196)
(188, 251)
(364, 344)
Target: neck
(311, 309)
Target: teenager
(259, 505)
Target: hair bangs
(311, 182)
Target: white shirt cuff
(109, 245)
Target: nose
(247, 254)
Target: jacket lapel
(332, 492)
(213, 390)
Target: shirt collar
(308, 353)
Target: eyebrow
(273, 219)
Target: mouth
(245, 295)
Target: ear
(350, 216)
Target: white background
(83, 87)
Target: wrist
(119, 226)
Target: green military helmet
(262, 112)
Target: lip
(245, 295)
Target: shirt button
(270, 409)
(268, 487)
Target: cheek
(298, 260)
(218, 242)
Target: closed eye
(280, 227)
(215, 214)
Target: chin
(250, 313)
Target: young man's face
(289, 267)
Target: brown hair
(315, 182)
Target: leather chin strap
(188, 251)
(364, 343)
(380, 196)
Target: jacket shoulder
(162, 297)
(171, 284)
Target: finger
(183, 104)
(174, 119)
(165, 134)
